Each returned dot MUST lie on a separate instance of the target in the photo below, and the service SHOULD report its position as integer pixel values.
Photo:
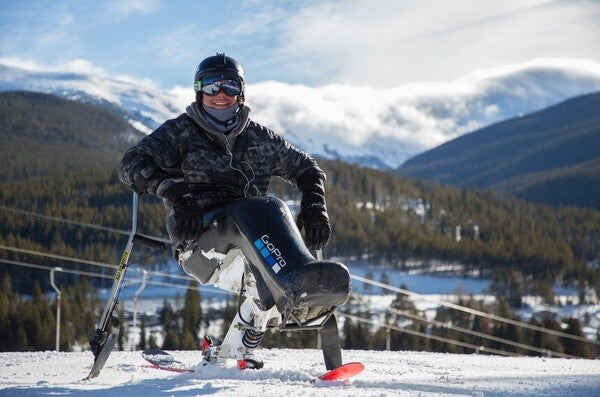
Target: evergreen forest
(61, 198)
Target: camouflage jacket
(218, 167)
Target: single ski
(160, 359)
(343, 372)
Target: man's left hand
(315, 222)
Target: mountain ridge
(547, 147)
(48, 128)
(374, 128)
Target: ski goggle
(212, 85)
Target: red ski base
(344, 372)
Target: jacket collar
(226, 140)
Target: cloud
(15, 62)
(78, 66)
(48, 31)
(119, 9)
(397, 122)
(178, 46)
(391, 43)
(391, 124)
(73, 66)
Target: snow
(288, 372)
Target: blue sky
(314, 43)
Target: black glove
(315, 221)
(185, 220)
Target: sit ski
(163, 360)
(257, 253)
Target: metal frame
(106, 334)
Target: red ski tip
(344, 372)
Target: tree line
(390, 219)
(451, 324)
(29, 325)
(61, 159)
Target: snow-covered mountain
(375, 127)
(142, 106)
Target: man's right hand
(185, 222)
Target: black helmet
(219, 65)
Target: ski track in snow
(288, 372)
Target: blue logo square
(265, 252)
(259, 244)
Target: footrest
(319, 283)
(316, 290)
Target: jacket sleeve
(151, 165)
(301, 169)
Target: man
(213, 154)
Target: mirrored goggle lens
(230, 87)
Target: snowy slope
(373, 127)
(142, 106)
(288, 373)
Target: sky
(313, 43)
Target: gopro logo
(271, 254)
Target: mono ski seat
(304, 290)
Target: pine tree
(5, 315)
(192, 315)
(122, 338)
(574, 347)
(42, 331)
(349, 331)
(170, 326)
(142, 344)
(152, 341)
(228, 314)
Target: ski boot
(208, 350)
(249, 360)
(245, 334)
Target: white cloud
(15, 62)
(48, 31)
(389, 123)
(78, 66)
(181, 96)
(74, 66)
(383, 43)
(120, 9)
(401, 121)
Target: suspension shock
(252, 339)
